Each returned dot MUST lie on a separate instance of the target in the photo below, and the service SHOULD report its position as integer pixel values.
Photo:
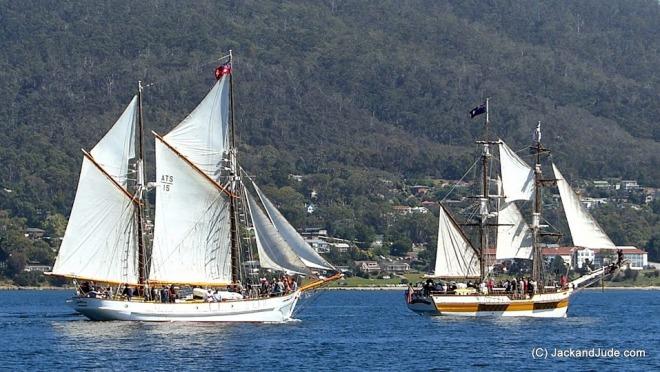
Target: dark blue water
(337, 330)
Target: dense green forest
(357, 96)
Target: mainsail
(191, 243)
(100, 241)
(517, 176)
(191, 234)
(455, 257)
(514, 237)
(585, 231)
(274, 252)
(306, 253)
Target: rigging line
(462, 178)
(312, 298)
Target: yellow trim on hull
(513, 306)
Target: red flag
(222, 70)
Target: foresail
(514, 237)
(585, 231)
(274, 252)
(202, 137)
(455, 257)
(191, 243)
(517, 176)
(114, 150)
(99, 242)
(306, 253)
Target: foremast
(141, 206)
(484, 198)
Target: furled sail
(191, 243)
(455, 257)
(585, 231)
(118, 145)
(203, 136)
(306, 253)
(514, 237)
(100, 241)
(274, 252)
(517, 176)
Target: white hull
(548, 305)
(272, 309)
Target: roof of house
(555, 251)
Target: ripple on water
(347, 330)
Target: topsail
(517, 176)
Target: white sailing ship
(206, 220)
(457, 260)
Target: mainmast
(233, 210)
(537, 259)
(141, 205)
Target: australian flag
(222, 70)
(477, 110)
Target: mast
(140, 211)
(537, 259)
(233, 210)
(483, 224)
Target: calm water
(337, 330)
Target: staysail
(100, 241)
(306, 253)
(585, 231)
(274, 252)
(455, 257)
(517, 176)
(191, 243)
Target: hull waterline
(272, 309)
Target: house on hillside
(367, 266)
(395, 267)
(34, 233)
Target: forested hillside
(346, 92)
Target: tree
(16, 263)
(55, 225)
(401, 247)
(558, 266)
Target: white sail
(274, 252)
(455, 257)
(202, 137)
(118, 145)
(306, 253)
(514, 237)
(585, 231)
(191, 241)
(517, 176)
(99, 242)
